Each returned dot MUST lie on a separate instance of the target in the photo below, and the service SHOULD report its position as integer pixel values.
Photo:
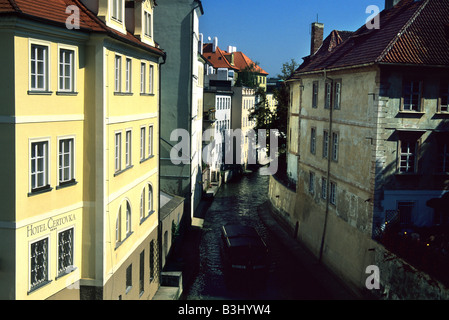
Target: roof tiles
(412, 32)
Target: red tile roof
(217, 58)
(241, 61)
(412, 32)
(54, 12)
(221, 59)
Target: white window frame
(413, 92)
(150, 199)
(31, 286)
(143, 136)
(444, 94)
(151, 79)
(325, 144)
(409, 155)
(150, 140)
(33, 44)
(117, 10)
(117, 73)
(148, 24)
(128, 147)
(128, 217)
(337, 94)
(73, 68)
(72, 158)
(46, 166)
(118, 226)
(142, 204)
(118, 151)
(128, 75)
(143, 80)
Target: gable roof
(242, 61)
(217, 58)
(412, 32)
(54, 12)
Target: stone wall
(347, 252)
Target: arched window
(128, 218)
(142, 205)
(118, 226)
(150, 199)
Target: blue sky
(272, 32)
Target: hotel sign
(50, 224)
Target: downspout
(329, 155)
(159, 228)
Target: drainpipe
(159, 228)
(329, 149)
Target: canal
(237, 202)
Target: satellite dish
(209, 38)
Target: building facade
(371, 134)
(177, 24)
(82, 219)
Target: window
(335, 146)
(118, 73)
(128, 219)
(118, 150)
(327, 95)
(117, 9)
(337, 94)
(315, 94)
(142, 143)
(118, 227)
(39, 68)
(143, 71)
(141, 271)
(148, 25)
(411, 95)
(151, 260)
(128, 75)
(65, 251)
(38, 263)
(443, 157)
(39, 165)
(151, 80)
(150, 141)
(128, 139)
(333, 193)
(313, 140)
(325, 144)
(66, 161)
(129, 278)
(150, 199)
(444, 96)
(323, 188)
(311, 182)
(66, 70)
(142, 205)
(407, 155)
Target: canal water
(237, 202)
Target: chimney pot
(317, 37)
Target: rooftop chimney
(215, 44)
(317, 37)
(391, 3)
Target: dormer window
(148, 25)
(117, 11)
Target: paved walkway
(336, 287)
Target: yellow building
(79, 123)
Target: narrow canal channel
(237, 202)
